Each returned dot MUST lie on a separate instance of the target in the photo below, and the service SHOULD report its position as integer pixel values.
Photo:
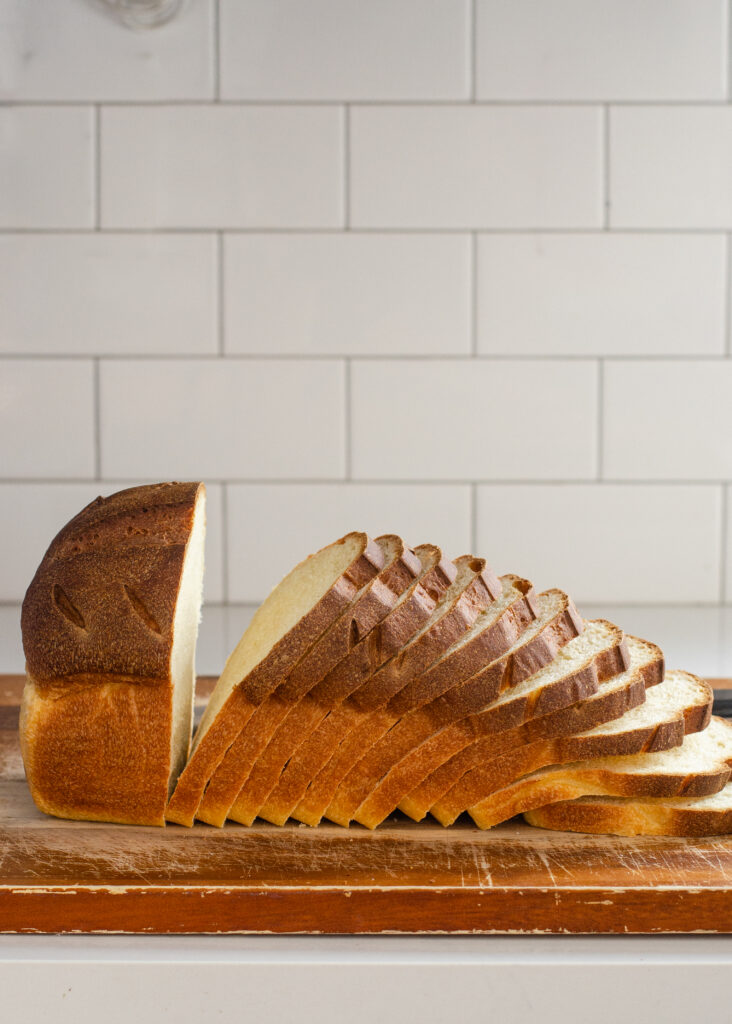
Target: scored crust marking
(353, 634)
(67, 608)
(143, 612)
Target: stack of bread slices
(376, 677)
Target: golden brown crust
(99, 752)
(392, 633)
(483, 649)
(98, 634)
(469, 743)
(298, 734)
(625, 816)
(495, 773)
(294, 780)
(211, 747)
(414, 658)
(103, 598)
(357, 621)
(478, 590)
(287, 652)
(569, 782)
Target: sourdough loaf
(109, 631)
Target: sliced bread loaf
(557, 622)
(505, 619)
(615, 695)
(635, 816)
(297, 612)
(681, 704)
(109, 631)
(560, 682)
(698, 767)
(474, 587)
(376, 599)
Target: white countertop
(362, 980)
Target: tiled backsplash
(454, 268)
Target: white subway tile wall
(458, 269)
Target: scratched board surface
(59, 876)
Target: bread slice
(699, 767)
(492, 633)
(571, 674)
(691, 816)
(604, 650)
(277, 734)
(681, 704)
(370, 606)
(297, 612)
(420, 742)
(109, 631)
(474, 587)
(614, 696)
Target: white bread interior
(185, 634)
(290, 600)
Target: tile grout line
(97, 413)
(225, 541)
(347, 167)
(606, 166)
(728, 294)
(347, 421)
(319, 230)
(473, 50)
(474, 294)
(366, 481)
(474, 518)
(406, 103)
(97, 167)
(220, 294)
(313, 357)
(600, 417)
(216, 55)
(723, 545)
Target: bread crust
(391, 634)
(625, 816)
(210, 746)
(82, 749)
(384, 639)
(102, 601)
(479, 589)
(477, 742)
(459, 706)
(359, 618)
(97, 625)
(568, 782)
(497, 773)
(522, 609)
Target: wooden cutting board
(66, 876)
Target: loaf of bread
(109, 626)
(374, 677)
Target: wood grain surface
(66, 876)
